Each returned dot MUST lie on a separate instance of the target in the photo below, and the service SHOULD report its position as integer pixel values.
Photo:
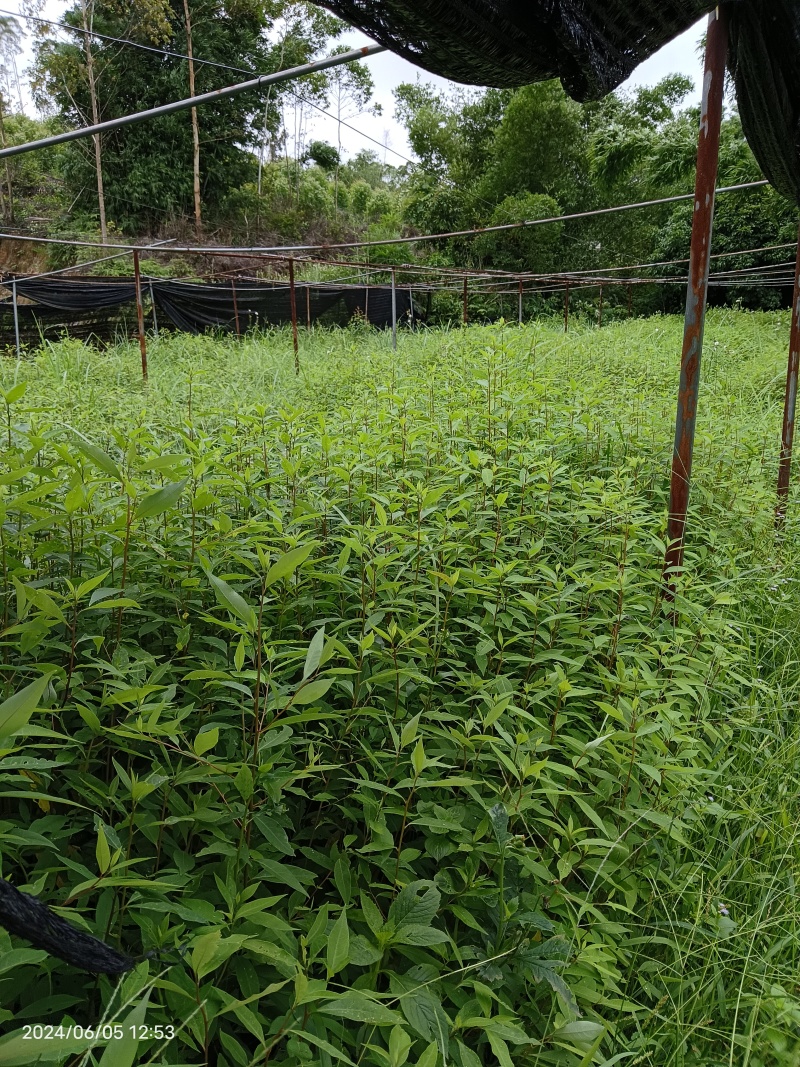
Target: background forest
(246, 170)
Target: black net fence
(105, 309)
(594, 45)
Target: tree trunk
(8, 212)
(98, 151)
(198, 216)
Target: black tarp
(594, 45)
(106, 308)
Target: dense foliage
(359, 709)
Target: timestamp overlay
(102, 1033)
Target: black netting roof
(594, 45)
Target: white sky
(388, 71)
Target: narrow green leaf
(17, 710)
(338, 951)
(100, 458)
(287, 564)
(314, 654)
(160, 500)
(234, 602)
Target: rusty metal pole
(790, 406)
(697, 295)
(293, 305)
(566, 308)
(140, 314)
(235, 308)
(466, 309)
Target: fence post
(16, 317)
(790, 405)
(140, 313)
(235, 308)
(394, 311)
(293, 305)
(697, 294)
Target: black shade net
(105, 309)
(26, 916)
(594, 45)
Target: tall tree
(150, 169)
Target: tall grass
(366, 716)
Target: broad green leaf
(314, 654)
(399, 1046)
(160, 500)
(287, 564)
(430, 1057)
(204, 951)
(17, 710)
(123, 1053)
(244, 782)
(312, 691)
(337, 954)
(206, 740)
(415, 905)
(358, 1007)
(583, 1033)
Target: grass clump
(366, 716)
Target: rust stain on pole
(566, 308)
(293, 303)
(140, 314)
(466, 309)
(790, 406)
(235, 308)
(697, 294)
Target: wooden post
(790, 404)
(697, 294)
(140, 313)
(394, 311)
(16, 317)
(293, 305)
(235, 308)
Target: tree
(351, 87)
(149, 169)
